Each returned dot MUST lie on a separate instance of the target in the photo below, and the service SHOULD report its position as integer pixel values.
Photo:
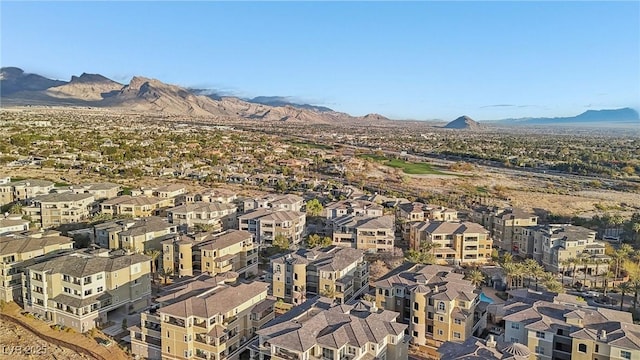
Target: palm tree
(510, 271)
(606, 276)
(537, 271)
(586, 261)
(476, 277)
(575, 263)
(636, 230)
(507, 258)
(330, 292)
(153, 254)
(624, 288)
(565, 264)
(166, 273)
(530, 265)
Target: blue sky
(409, 60)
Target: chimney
(435, 288)
(603, 335)
(491, 342)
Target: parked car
(104, 342)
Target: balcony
(176, 322)
(230, 321)
(286, 354)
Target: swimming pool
(485, 298)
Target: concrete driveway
(117, 318)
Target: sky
(404, 60)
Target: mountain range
(153, 96)
(589, 117)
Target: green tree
(329, 292)
(476, 277)
(315, 240)
(166, 274)
(624, 288)
(314, 207)
(153, 254)
(281, 242)
(15, 209)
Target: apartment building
(136, 206)
(338, 272)
(203, 317)
(84, 289)
(410, 213)
(164, 192)
(100, 191)
(289, 202)
(211, 195)
(353, 207)
(553, 330)
(137, 235)
(559, 242)
(437, 303)
(504, 225)
(266, 224)
(322, 329)
(17, 249)
(456, 243)
(213, 253)
(367, 233)
(13, 223)
(53, 210)
(218, 216)
(12, 191)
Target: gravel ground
(16, 343)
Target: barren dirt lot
(17, 343)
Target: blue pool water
(485, 298)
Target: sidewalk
(491, 293)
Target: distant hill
(88, 87)
(284, 101)
(464, 123)
(590, 117)
(13, 80)
(153, 96)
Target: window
(416, 306)
(625, 354)
(415, 334)
(67, 290)
(458, 321)
(456, 335)
(539, 350)
(441, 318)
(100, 288)
(582, 348)
(415, 319)
(540, 334)
(430, 315)
(597, 348)
(185, 340)
(99, 277)
(440, 332)
(515, 326)
(441, 306)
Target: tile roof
(62, 197)
(438, 282)
(80, 263)
(225, 240)
(319, 322)
(22, 244)
(200, 207)
(332, 258)
(220, 301)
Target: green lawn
(407, 167)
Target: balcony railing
(229, 321)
